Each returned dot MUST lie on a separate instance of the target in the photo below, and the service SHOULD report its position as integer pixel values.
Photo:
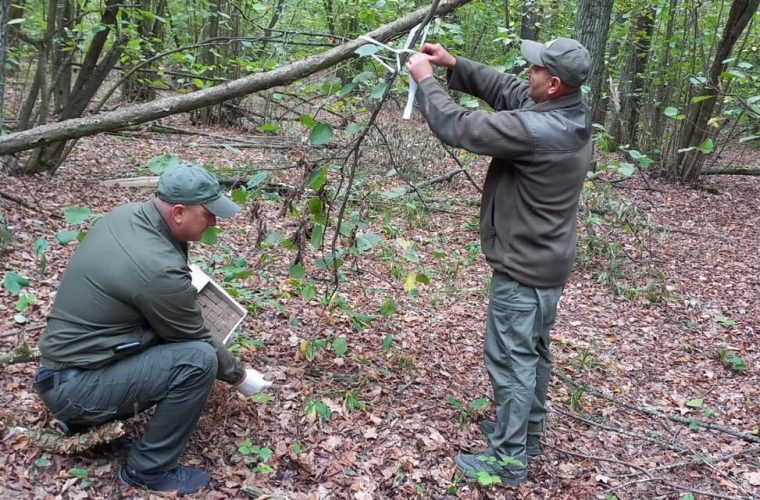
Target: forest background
(357, 254)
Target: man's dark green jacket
(541, 153)
(128, 281)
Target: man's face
(540, 81)
(192, 221)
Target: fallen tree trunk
(113, 120)
(732, 171)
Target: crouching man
(126, 332)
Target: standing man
(126, 332)
(539, 136)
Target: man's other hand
(438, 56)
(253, 383)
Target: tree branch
(82, 127)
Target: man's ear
(178, 213)
(555, 85)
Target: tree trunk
(530, 20)
(592, 26)
(62, 57)
(113, 120)
(5, 6)
(632, 81)
(6, 238)
(139, 86)
(663, 93)
(210, 115)
(690, 161)
(91, 76)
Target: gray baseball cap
(563, 57)
(190, 184)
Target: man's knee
(196, 357)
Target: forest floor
(657, 369)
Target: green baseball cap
(190, 184)
(563, 57)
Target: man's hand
(419, 67)
(253, 383)
(438, 56)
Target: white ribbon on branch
(397, 52)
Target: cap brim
(531, 51)
(223, 207)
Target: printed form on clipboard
(221, 313)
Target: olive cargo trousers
(175, 377)
(518, 360)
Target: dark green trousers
(518, 360)
(175, 378)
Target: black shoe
(484, 465)
(532, 446)
(70, 429)
(183, 480)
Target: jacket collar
(157, 221)
(566, 101)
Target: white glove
(253, 383)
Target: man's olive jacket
(541, 153)
(128, 281)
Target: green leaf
(158, 164)
(693, 425)
(626, 169)
(388, 342)
(422, 278)
(354, 128)
(456, 404)
(308, 121)
(695, 403)
(347, 89)
(411, 255)
(317, 235)
(320, 134)
(42, 462)
(363, 244)
(670, 112)
(701, 98)
(40, 245)
(724, 320)
(258, 179)
(77, 472)
(20, 319)
(211, 235)
(76, 215)
(329, 262)
(246, 448)
(308, 291)
(297, 271)
(261, 397)
(240, 196)
(13, 282)
(688, 496)
(268, 127)
(317, 179)
(364, 76)
(340, 346)
(315, 206)
(410, 282)
(24, 301)
(379, 91)
(707, 147)
(367, 50)
(480, 404)
(388, 307)
(273, 239)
